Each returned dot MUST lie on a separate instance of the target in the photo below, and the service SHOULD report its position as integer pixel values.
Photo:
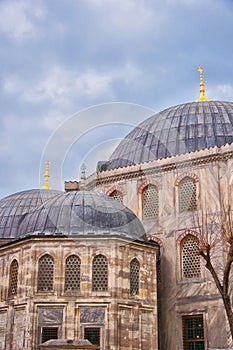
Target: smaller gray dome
(82, 213)
(14, 207)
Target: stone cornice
(38, 240)
(161, 166)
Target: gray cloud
(60, 57)
(21, 19)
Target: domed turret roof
(177, 130)
(82, 213)
(15, 206)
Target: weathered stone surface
(70, 312)
(92, 315)
(212, 170)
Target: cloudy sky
(76, 75)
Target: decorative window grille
(150, 202)
(193, 332)
(134, 276)
(13, 283)
(72, 273)
(100, 273)
(92, 334)
(187, 195)
(45, 273)
(117, 195)
(49, 333)
(190, 258)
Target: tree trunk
(223, 290)
(227, 304)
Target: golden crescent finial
(202, 88)
(46, 177)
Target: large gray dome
(82, 213)
(15, 206)
(177, 130)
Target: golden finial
(46, 177)
(202, 89)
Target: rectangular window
(49, 333)
(93, 335)
(193, 332)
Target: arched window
(45, 273)
(187, 194)
(72, 273)
(13, 282)
(100, 273)
(117, 195)
(150, 202)
(134, 276)
(190, 259)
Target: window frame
(118, 197)
(40, 275)
(77, 275)
(154, 203)
(192, 206)
(134, 290)
(198, 272)
(96, 276)
(193, 330)
(48, 328)
(90, 329)
(13, 282)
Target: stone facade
(178, 297)
(120, 317)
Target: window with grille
(45, 273)
(134, 276)
(93, 335)
(117, 195)
(187, 195)
(190, 258)
(49, 333)
(193, 332)
(100, 273)
(72, 273)
(13, 282)
(150, 202)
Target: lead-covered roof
(14, 207)
(82, 213)
(177, 130)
